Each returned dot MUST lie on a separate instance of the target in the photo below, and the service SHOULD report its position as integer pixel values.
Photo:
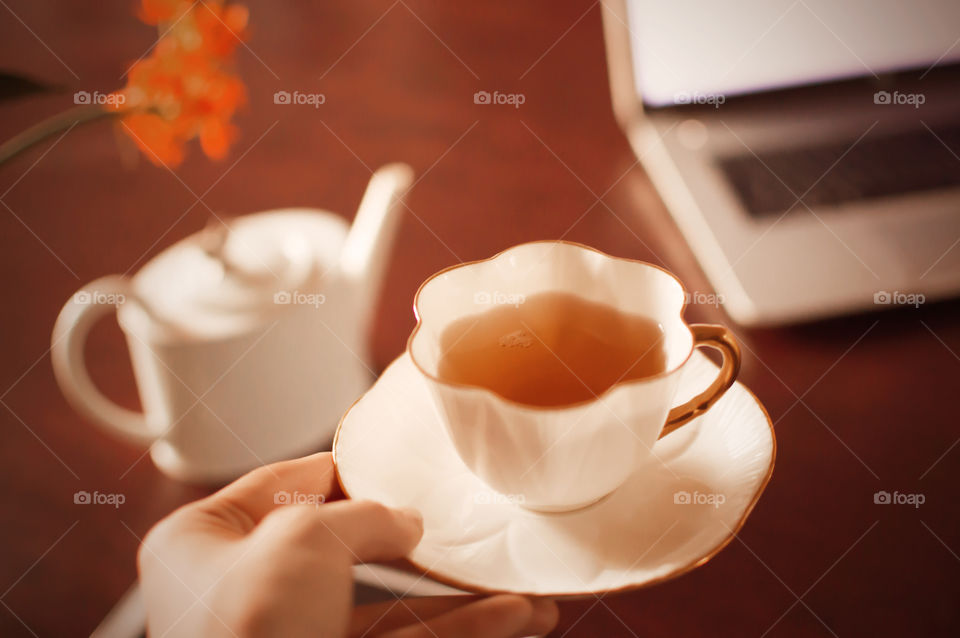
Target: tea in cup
(555, 367)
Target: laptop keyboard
(878, 166)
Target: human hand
(238, 564)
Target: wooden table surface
(861, 404)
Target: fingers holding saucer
(252, 496)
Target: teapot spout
(366, 250)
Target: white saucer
(392, 447)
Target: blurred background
(861, 403)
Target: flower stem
(63, 121)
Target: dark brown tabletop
(861, 404)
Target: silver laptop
(809, 150)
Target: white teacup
(566, 457)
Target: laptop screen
(685, 49)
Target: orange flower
(185, 88)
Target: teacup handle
(712, 336)
(78, 316)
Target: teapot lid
(234, 275)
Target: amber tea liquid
(553, 349)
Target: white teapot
(248, 340)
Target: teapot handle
(77, 317)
